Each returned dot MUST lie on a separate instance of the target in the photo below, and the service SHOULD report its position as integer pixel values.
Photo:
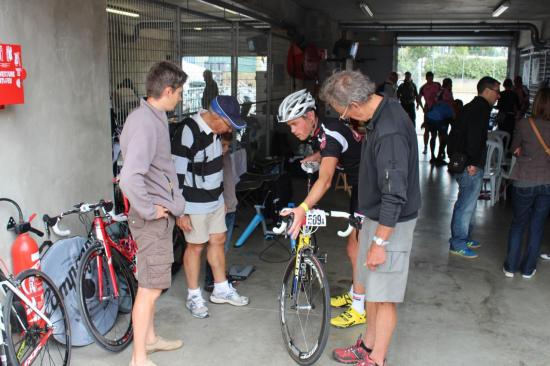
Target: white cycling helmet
(295, 105)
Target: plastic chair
(503, 136)
(505, 175)
(493, 168)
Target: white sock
(221, 287)
(358, 303)
(193, 292)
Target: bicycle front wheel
(304, 310)
(108, 317)
(30, 339)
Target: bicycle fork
(100, 235)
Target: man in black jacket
(470, 138)
(389, 197)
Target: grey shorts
(389, 281)
(155, 250)
(205, 225)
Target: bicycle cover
(61, 263)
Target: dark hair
(161, 75)
(429, 74)
(459, 103)
(407, 73)
(486, 82)
(541, 106)
(447, 82)
(518, 79)
(508, 83)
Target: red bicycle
(107, 274)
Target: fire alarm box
(12, 75)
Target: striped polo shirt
(200, 176)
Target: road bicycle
(107, 274)
(304, 298)
(35, 328)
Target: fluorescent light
(197, 28)
(122, 12)
(365, 8)
(501, 8)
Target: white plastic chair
(493, 168)
(504, 136)
(505, 175)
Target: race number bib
(316, 218)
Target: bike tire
(120, 308)
(17, 324)
(313, 273)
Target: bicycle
(304, 298)
(107, 276)
(34, 324)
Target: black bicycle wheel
(304, 310)
(28, 340)
(107, 317)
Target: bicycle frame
(127, 251)
(7, 283)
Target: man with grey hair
(389, 198)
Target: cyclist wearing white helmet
(336, 146)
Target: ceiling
(429, 10)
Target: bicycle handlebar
(287, 221)
(83, 207)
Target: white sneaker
(507, 274)
(229, 297)
(197, 307)
(545, 256)
(528, 276)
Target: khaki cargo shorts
(155, 250)
(205, 225)
(389, 281)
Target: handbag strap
(539, 137)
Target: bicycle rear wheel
(29, 338)
(109, 318)
(304, 310)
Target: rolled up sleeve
(392, 160)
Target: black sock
(365, 347)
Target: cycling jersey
(430, 91)
(335, 139)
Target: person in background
(508, 108)
(429, 92)
(523, 95)
(530, 189)
(440, 128)
(408, 95)
(148, 178)
(389, 197)
(210, 89)
(389, 87)
(230, 199)
(471, 136)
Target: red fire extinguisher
(25, 255)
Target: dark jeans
(530, 207)
(409, 108)
(230, 223)
(469, 187)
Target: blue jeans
(230, 223)
(530, 207)
(469, 187)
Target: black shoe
(440, 162)
(432, 161)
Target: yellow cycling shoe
(349, 318)
(341, 301)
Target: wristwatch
(379, 241)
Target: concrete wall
(55, 149)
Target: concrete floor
(457, 312)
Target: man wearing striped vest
(197, 153)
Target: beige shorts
(389, 281)
(155, 250)
(205, 225)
